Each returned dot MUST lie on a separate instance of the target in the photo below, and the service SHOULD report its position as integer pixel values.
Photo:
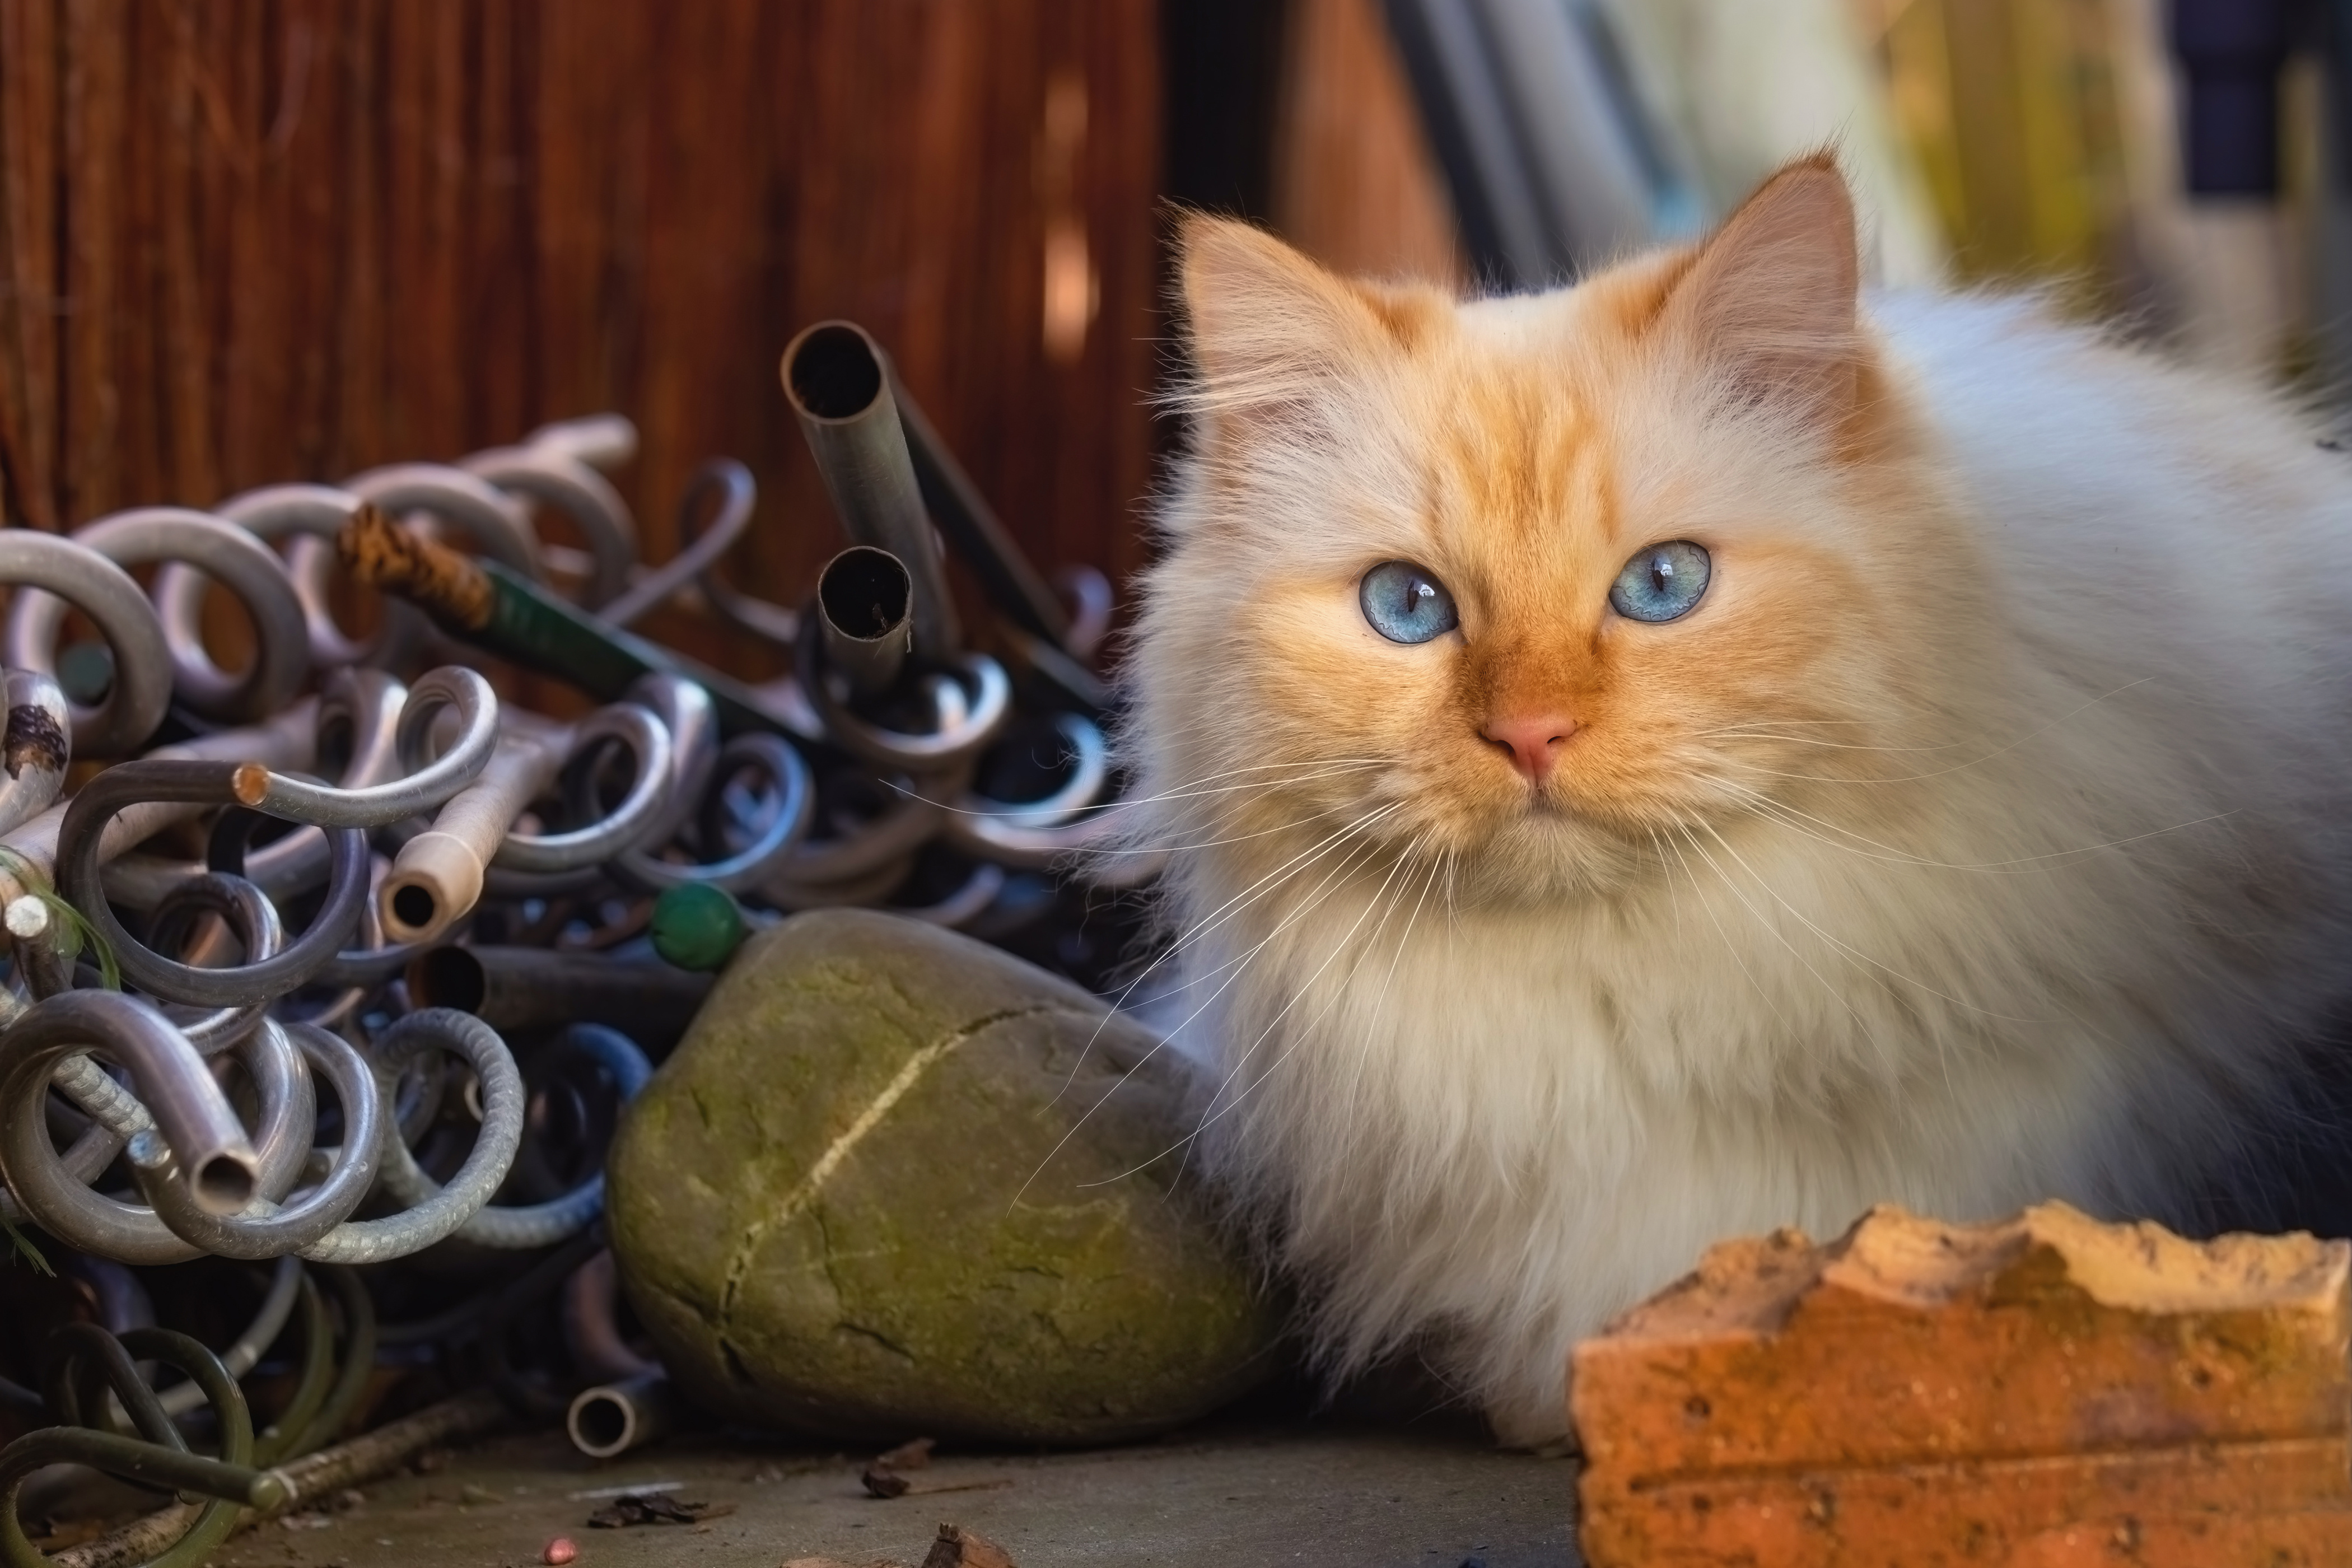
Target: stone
(2047, 1390)
(894, 1180)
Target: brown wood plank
(249, 243)
(30, 286)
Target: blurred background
(247, 240)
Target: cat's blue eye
(1662, 582)
(1405, 604)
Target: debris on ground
(960, 1548)
(2047, 1390)
(654, 1508)
(884, 1483)
(560, 1551)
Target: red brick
(2046, 1390)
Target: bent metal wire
(249, 895)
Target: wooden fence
(249, 240)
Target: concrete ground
(1310, 1494)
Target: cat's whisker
(1774, 932)
(1762, 803)
(1231, 908)
(1306, 774)
(1731, 947)
(1315, 902)
(1855, 952)
(1152, 848)
(1212, 1114)
(1997, 751)
(1404, 860)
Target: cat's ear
(1268, 326)
(1770, 302)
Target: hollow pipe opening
(603, 1423)
(224, 1183)
(865, 600)
(865, 592)
(414, 910)
(448, 977)
(606, 1422)
(834, 372)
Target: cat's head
(1538, 579)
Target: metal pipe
(865, 602)
(619, 830)
(202, 1133)
(787, 822)
(437, 878)
(840, 387)
(231, 556)
(520, 988)
(530, 1228)
(185, 781)
(698, 553)
(548, 472)
(607, 1422)
(1012, 584)
(109, 596)
(591, 1330)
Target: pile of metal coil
(349, 865)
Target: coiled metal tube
(486, 1165)
(787, 821)
(250, 918)
(230, 556)
(205, 1142)
(158, 1458)
(299, 516)
(110, 598)
(956, 743)
(649, 751)
(540, 1225)
(208, 783)
(263, 1229)
(358, 715)
(133, 1233)
(699, 553)
(426, 783)
(546, 470)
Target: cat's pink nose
(1533, 742)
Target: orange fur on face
(1522, 450)
(1982, 835)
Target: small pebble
(558, 1551)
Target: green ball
(698, 926)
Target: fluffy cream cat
(1704, 751)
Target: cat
(1709, 749)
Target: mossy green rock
(894, 1182)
